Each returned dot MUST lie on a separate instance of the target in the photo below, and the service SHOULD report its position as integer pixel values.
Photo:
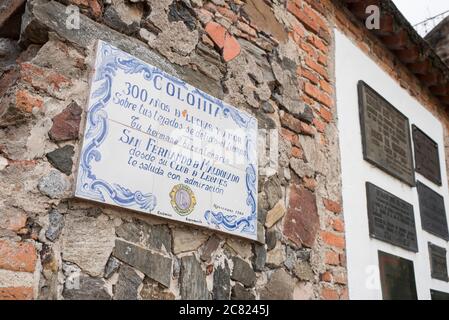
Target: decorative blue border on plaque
(92, 187)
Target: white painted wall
(353, 65)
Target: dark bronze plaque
(427, 161)
(433, 213)
(390, 218)
(385, 135)
(438, 262)
(438, 295)
(397, 277)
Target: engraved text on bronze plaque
(397, 277)
(427, 160)
(438, 262)
(385, 135)
(390, 218)
(433, 213)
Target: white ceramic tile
(156, 115)
(235, 209)
(108, 174)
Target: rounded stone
(54, 184)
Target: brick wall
(273, 59)
(386, 59)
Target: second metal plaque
(438, 262)
(385, 135)
(391, 219)
(397, 277)
(427, 161)
(433, 213)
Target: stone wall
(273, 59)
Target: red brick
(307, 129)
(224, 40)
(296, 152)
(217, 33)
(26, 101)
(325, 114)
(331, 258)
(319, 6)
(315, 17)
(332, 206)
(326, 100)
(310, 75)
(319, 125)
(329, 294)
(318, 43)
(17, 293)
(299, 13)
(322, 59)
(290, 136)
(326, 277)
(312, 91)
(338, 225)
(301, 222)
(317, 67)
(308, 49)
(231, 48)
(333, 239)
(299, 30)
(17, 256)
(307, 100)
(326, 86)
(341, 18)
(344, 295)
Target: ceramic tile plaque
(433, 212)
(391, 219)
(397, 277)
(438, 262)
(385, 135)
(157, 145)
(427, 161)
